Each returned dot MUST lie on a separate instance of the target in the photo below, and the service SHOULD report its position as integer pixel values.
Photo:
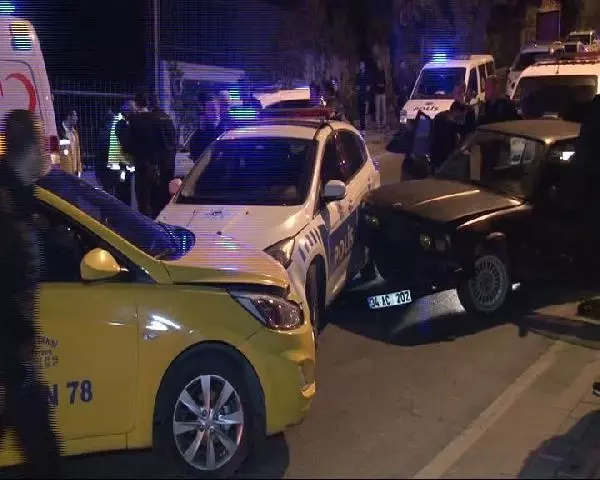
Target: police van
(23, 80)
(433, 90)
(560, 85)
(291, 187)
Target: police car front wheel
(315, 297)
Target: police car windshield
(160, 241)
(438, 82)
(498, 162)
(251, 171)
(566, 96)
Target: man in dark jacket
(143, 134)
(497, 107)
(207, 131)
(24, 404)
(166, 152)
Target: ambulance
(23, 80)
(433, 90)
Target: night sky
(103, 38)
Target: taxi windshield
(499, 162)
(438, 83)
(251, 171)
(164, 242)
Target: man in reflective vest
(120, 161)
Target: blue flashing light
(6, 8)
(235, 95)
(439, 57)
(22, 43)
(243, 113)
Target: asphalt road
(394, 388)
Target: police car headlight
(403, 116)
(282, 251)
(274, 312)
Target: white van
(433, 90)
(23, 80)
(560, 86)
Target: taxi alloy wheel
(207, 422)
(208, 432)
(486, 291)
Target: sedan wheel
(208, 432)
(488, 287)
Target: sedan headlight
(274, 312)
(282, 251)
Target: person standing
(380, 100)
(225, 120)
(497, 107)
(71, 163)
(120, 163)
(143, 131)
(166, 152)
(100, 165)
(207, 130)
(24, 402)
(462, 113)
(362, 90)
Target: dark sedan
(500, 210)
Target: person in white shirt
(71, 163)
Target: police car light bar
(6, 8)
(309, 112)
(565, 58)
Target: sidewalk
(546, 425)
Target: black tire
(315, 298)
(496, 264)
(191, 368)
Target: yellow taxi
(151, 337)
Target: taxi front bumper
(285, 365)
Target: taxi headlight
(274, 312)
(282, 251)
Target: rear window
(566, 96)
(525, 60)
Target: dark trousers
(362, 112)
(27, 410)
(148, 191)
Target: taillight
(53, 144)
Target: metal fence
(92, 100)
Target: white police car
(291, 187)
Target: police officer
(120, 161)
(166, 151)
(23, 398)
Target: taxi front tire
(187, 421)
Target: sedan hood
(440, 200)
(215, 259)
(259, 226)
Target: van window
(482, 75)
(472, 85)
(490, 68)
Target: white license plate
(389, 300)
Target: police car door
(358, 182)
(339, 228)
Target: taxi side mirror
(334, 190)
(98, 264)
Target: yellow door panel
(88, 352)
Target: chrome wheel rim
(208, 422)
(489, 283)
